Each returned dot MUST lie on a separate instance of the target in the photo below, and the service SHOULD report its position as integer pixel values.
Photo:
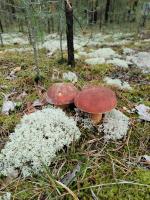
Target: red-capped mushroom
(96, 101)
(61, 94)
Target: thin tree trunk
(1, 39)
(33, 39)
(21, 28)
(13, 9)
(48, 26)
(61, 28)
(35, 52)
(1, 26)
(52, 24)
(107, 10)
(69, 32)
(28, 28)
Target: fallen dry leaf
(30, 108)
(17, 69)
(70, 176)
(21, 96)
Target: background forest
(49, 15)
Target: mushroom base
(63, 107)
(96, 118)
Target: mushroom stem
(96, 118)
(63, 107)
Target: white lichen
(36, 140)
(6, 196)
(18, 50)
(82, 53)
(115, 125)
(105, 53)
(76, 56)
(118, 62)
(121, 36)
(141, 60)
(8, 106)
(83, 119)
(14, 38)
(95, 61)
(144, 112)
(128, 51)
(53, 45)
(70, 76)
(123, 85)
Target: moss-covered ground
(108, 171)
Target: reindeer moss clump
(36, 140)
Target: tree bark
(1, 39)
(69, 32)
(61, 28)
(48, 26)
(1, 27)
(107, 10)
(13, 9)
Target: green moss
(142, 176)
(31, 97)
(102, 69)
(8, 122)
(138, 94)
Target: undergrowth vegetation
(108, 170)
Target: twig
(66, 188)
(69, 4)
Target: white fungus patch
(70, 76)
(115, 125)
(118, 83)
(36, 140)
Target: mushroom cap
(96, 100)
(61, 94)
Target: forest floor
(107, 171)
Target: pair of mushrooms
(93, 99)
